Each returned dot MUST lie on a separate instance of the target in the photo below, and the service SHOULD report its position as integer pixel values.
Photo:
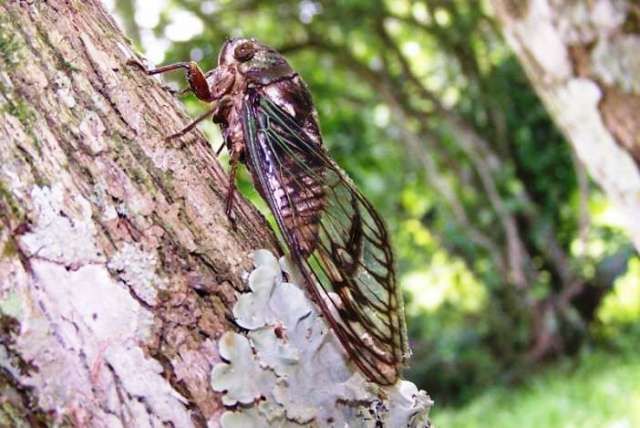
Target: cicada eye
(244, 52)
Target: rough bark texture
(582, 58)
(118, 265)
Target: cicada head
(254, 61)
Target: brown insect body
(336, 238)
(270, 75)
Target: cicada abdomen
(301, 202)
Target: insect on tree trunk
(118, 265)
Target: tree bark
(119, 269)
(118, 264)
(582, 58)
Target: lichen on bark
(290, 370)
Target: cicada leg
(219, 149)
(207, 114)
(197, 84)
(195, 76)
(181, 92)
(233, 162)
(188, 89)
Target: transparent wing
(336, 237)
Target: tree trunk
(582, 58)
(118, 266)
(118, 260)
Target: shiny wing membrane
(336, 238)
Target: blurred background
(523, 293)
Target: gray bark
(582, 58)
(118, 265)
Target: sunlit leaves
(445, 280)
(623, 305)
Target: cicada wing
(336, 238)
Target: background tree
(581, 59)
(424, 105)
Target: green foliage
(598, 390)
(620, 310)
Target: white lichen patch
(290, 370)
(80, 329)
(236, 349)
(581, 22)
(101, 200)
(92, 308)
(64, 91)
(93, 129)
(403, 401)
(247, 309)
(137, 270)
(142, 377)
(57, 234)
(78, 317)
(613, 64)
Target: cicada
(335, 236)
